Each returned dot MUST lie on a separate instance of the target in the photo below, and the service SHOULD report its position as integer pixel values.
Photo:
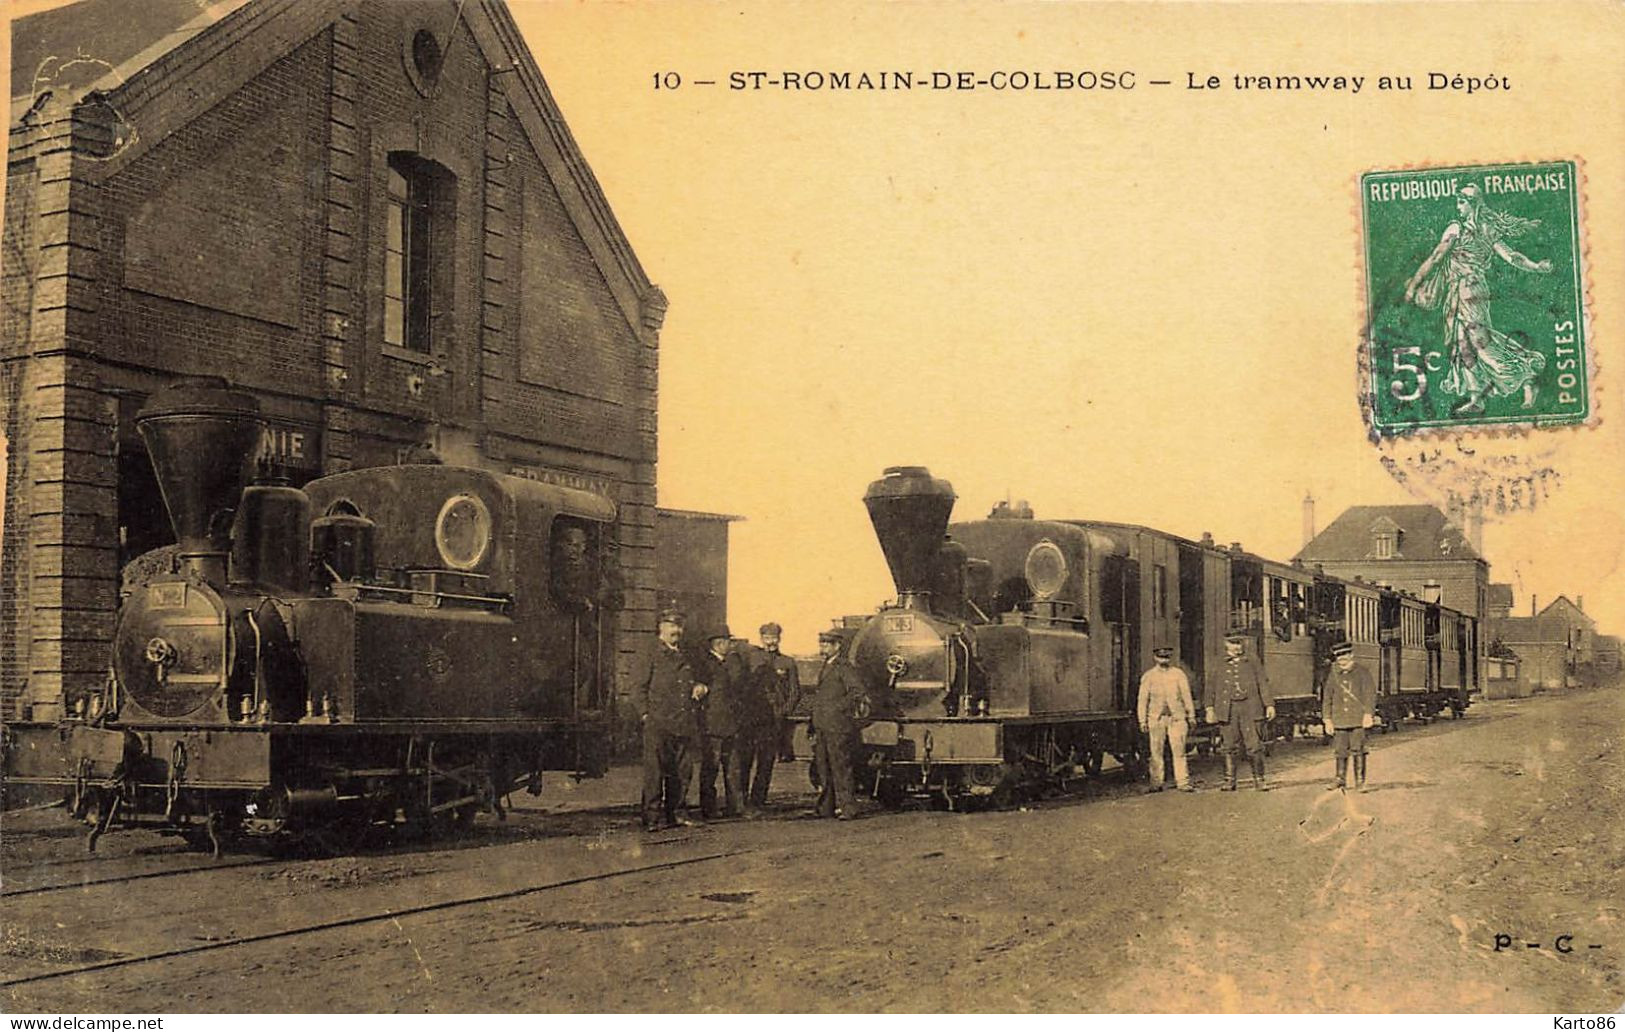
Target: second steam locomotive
(1012, 653)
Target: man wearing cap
(665, 696)
(1166, 712)
(722, 673)
(775, 687)
(839, 703)
(1238, 698)
(1348, 707)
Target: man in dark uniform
(776, 687)
(664, 695)
(1348, 706)
(1238, 698)
(839, 704)
(722, 673)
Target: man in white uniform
(1166, 712)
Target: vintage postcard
(853, 507)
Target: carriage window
(1300, 609)
(1279, 612)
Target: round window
(463, 532)
(1046, 569)
(426, 57)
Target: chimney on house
(1531, 603)
(1308, 518)
(1580, 603)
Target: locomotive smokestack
(202, 437)
(909, 509)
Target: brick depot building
(369, 213)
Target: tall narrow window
(409, 251)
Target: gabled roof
(147, 47)
(69, 48)
(1427, 535)
(1561, 606)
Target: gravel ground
(1299, 899)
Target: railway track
(389, 914)
(36, 890)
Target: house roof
(1561, 606)
(1516, 629)
(70, 48)
(695, 514)
(1424, 534)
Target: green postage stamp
(1475, 297)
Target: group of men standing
(1238, 702)
(721, 708)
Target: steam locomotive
(1011, 656)
(391, 646)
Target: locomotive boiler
(392, 646)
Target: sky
(1134, 304)
(1141, 304)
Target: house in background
(691, 566)
(1556, 646)
(1412, 548)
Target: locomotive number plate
(900, 623)
(169, 596)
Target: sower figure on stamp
(1238, 698)
(665, 696)
(1348, 706)
(1166, 713)
(721, 673)
(839, 704)
(1455, 278)
(775, 687)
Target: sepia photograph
(734, 507)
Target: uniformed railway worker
(1348, 706)
(665, 697)
(1166, 712)
(775, 688)
(722, 672)
(839, 704)
(1238, 698)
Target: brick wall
(17, 268)
(243, 236)
(211, 239)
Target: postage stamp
(1475, 297)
